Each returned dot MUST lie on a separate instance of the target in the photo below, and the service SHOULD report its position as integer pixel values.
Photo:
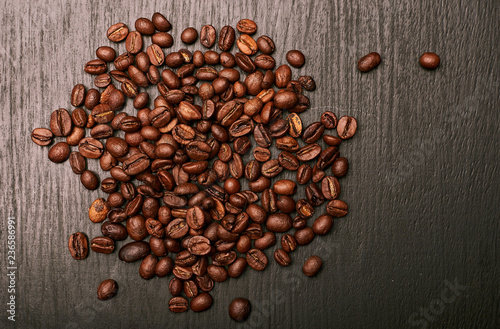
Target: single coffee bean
(90, 148)
(103, 245)
(92, 99)
(134, 251)
(304, 174)
(304, 236)
(107, 289)
(202, 302)
(336, 208)
(239, 309)
(114, 231)
(313, 132)
(332, 140)
(266, 241)
(217, 273)
(312, 265)
(265, 44)
(117, 32)
(78, 246)
(164, 267)
(156, 55)
(178, 305)
(77, 162)
(282, 258)
(106, 53)
(96, 67)
(285, 187)
(189, 35)
(162, 39)
(369, 62)
(346, 128)
(279, 222)
(61, 123)
(161, 23)
(295, 58)
(246, 26)
(78, 95)
(288, 243)
(256, 259)
(208, 36)
(89, 180)
(144, 26)
(247, 44)
(323, 224)
(429, 61)
(148, 267)
(42, 136)
(340, 167)
(307, 82)
(59, 152)
(244, 62)
(226, 38)
(329, 120)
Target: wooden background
(423, 186)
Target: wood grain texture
(422, 187)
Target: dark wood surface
(423, 186)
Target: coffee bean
(313, 132)
(256, 259)
(346, 127)
(246, 26)
(265, 44)
(161, 23)
(208, 36)
(189, 35)
(239, 309)
(304, 174)
(103, 245)
(288, 243)
(244, 62)
(59, 152)
(78, 246)
(77, 162)
(304, 236)
(107, 289)
(279, 222)
(247, 44)
(226, 38)
(178, 305)
(369, 62)
(329, 120)
(42, 136)
(114, 231)
(217, 273)
(429, 61)
(340, 167)
(312, 265)
(61, 123)
(336, 208)
(117, 32)
(202, 302)
(282, 258)
(89, 180)
(90, 148)
(307, 82)
(144, 26)
(134, 251)
(106, 53)
(323, 224)
(295, 58)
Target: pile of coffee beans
(192, 181)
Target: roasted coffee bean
(429, 61)
(114, 231)
(304, 174)
(256, 259)
(78, 246)
(59, 152)
(307, 82)
(106, 53)
(96, 67)
(61, 123)
(312, 266)
(340, 167)
(202, 302)
(189, 35)
(282, 258)
(78, 95)
(144, 26)
(346, 127)
(262, 136)
(239, 309)
(226, 38)
(288, 161)
(285, 100)
(283, 76)
(313, 132)
(369, 62)
(134, 251)
(267, 240)
(279, 222)
(178, 305)
(330, 187)
(288, 243)
(336, 208)
(217, 273)
(156, 55)
(246, 26)
(265, 44)
(261, 154)
(117, 32)
(161, 23)
(247, 44)
(42, 136)
(109, 185)
(208, 36)
(103, 245)
(244, 62)
(148, 267)
(285, 187)
(329, 120)
(162, 39)
(89, 180)
(295, 58)
(77, 162)
(164, 267)
(107, 289)
(92, 99)
(304, 236)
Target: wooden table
(420, 244)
